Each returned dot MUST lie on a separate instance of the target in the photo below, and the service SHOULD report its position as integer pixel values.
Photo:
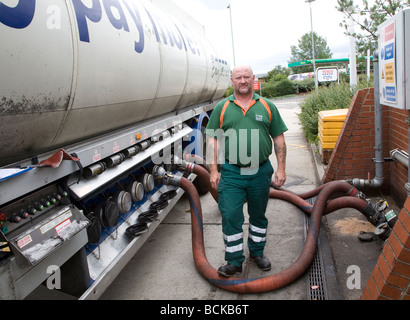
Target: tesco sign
(328, 74)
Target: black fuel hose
(148, 216)
(136, 229)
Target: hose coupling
(184, 165)
(171, 180)
(165, 177)
(158, 172)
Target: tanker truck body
(93, 94)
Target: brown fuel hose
(203, 174)
(284, 194)
(331, 205)
(306, 195)
(268, 283)
(289, 196)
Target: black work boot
(262, 262)
(229, 270)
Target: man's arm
(212, 155)
(280, 151)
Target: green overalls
(244, 175)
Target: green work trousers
(237, 186)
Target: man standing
(245, 121)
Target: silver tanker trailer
(93, 94)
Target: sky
(265, 30)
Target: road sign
(256, 86)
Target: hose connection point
(164, 177)
(171, 180)
(158, 172)
(180, 162)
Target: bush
(278, 88)
(229, 91)
(305, 85)
(335, 96)
(268, 90)
(284, 87)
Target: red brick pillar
(390, 279)
(351, 157)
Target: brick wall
(354, 150)
(390, 277)
(398, 138)
(352, 158)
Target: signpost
(257, 86)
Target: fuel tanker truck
(94, 95)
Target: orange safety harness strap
(264, 103)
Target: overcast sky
(264, 30)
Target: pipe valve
(158, 172)
(164, 177)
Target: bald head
(242, 69)
(242, 80)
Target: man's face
(242, 80)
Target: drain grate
(316, 279)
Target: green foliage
(277, 77)
(279, 88)
(284, 87)
(305, 85)
(368, 16)
(278, 73)
(304, 52)
(334, 96)
(229, 91)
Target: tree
(278, 73)
(303, 51)
(368, 17)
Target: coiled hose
(294, 271)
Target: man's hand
(280, 178)
(214, 177)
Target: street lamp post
(233, 42)
(313, 43)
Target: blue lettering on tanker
(20, 16)
(159, 27)
(139, 46)
(94, 14)
(82, 13)
(118, 23)
(166, 31)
